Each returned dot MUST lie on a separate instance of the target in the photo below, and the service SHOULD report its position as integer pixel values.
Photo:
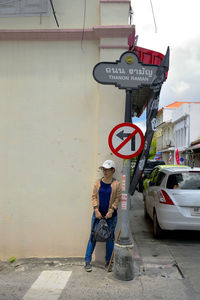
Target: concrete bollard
(123, 262)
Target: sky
(177, 26)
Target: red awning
(148, 56)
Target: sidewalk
(155, 274)
(151, 281)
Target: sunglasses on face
(103, 169)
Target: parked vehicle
(172, 198)
(150, 164)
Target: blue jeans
(112, 222)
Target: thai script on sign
(143, 71)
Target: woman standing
(105, 199)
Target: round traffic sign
(126, 140)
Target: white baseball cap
(108, 164)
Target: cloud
(184, 72)
(141, 125)
(180, 88)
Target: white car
(172, 198)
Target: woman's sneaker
(88, 266)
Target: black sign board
(126, 73)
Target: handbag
(100, 232)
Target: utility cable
(54, 13)
(84, 17)
(153, 16)
(130, 14)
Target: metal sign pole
(124, 236)
(123, 266)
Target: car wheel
(145, 209)
(157, 231)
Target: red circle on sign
(137, 129)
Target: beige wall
(114, 13)
(54, 125)
(48, 146)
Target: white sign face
(126, 140)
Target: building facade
(186, 130)
(165, 132)
(55, 119)
(177, 128)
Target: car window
(184, 181)
(159, 178)
(152, 164)
(149, 165)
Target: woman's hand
(97, 214)
(107, 216)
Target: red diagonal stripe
(126, 141)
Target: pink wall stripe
(115, 1)
(94, 33)
(113, 47)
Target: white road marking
(48, 285)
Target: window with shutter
(34, 6)
(24, 7)
(8, 7)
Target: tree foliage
(152, 151)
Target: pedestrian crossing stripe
(49, 285)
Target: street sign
(127, 72)
(126, 140)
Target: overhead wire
(54, 13)
(153, 16)
(84, 17)
(130, 14)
